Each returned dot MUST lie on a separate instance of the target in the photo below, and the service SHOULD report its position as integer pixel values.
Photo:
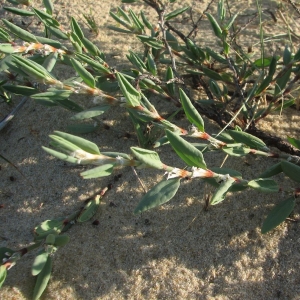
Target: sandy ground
(177, 251)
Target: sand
(176, 251)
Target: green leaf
(216, 56)
(49, 6)
(50, 61)
(297, 55)
(273, 170)
(42, 279)
(76, 28)
(158, 195)
(150, 41)
(39, 262)
(53, 43)
(20, 90)
(52, 95)
(230, 22)
(137, 61)
(82, 128)
(238, 150)
(131, 95)
(48, 227)
(68, 104)
(287, 56)
(31, 68)
(80, 142)
(146, 21)
(101, 171)
(247, 139)
(93, 63)
(294, 142)
(215, 26)
(4, 36)
(19, 32)
(190, 111)
(211, 74)
(92, 48)
(272, 68)
(89, 210)
(148, 157)
(282, 81)
(170, 86)
(90, 113)
(291, 170)
(18, 11)
(264, 85)
(136, 21)
(3, 274)
(260, 63)
(57, 32)
(151, 65)
(61, 240)
(278, 214)
(172, 41)
(175, 13)
(118, 29)
(264, 185)
(86, 76)
(220, 194)
(47, 19)
(187, 152)
(61, 156)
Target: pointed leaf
(190, 111)
(90, 113)
(273, 170)
(20, 90)
(49, 6)
(39, 262)
(247, 139)
(86, 76)
(175, 13)
(76, 28)
(42, 279)
(80, 142)
(232, 19)
(187, 152)
(61, 156)
(220, 194)
(148, 157)
(264, 185)
(101, 171)
(52, 95)
(18, 11)
(278, 214)
(291, 170)
(132, 96)
(150, 41)
(19, 32)
(282, 81)
(215, 26)
(158, 195)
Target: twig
(9, 117)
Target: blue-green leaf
(278, 214)
(158, 195)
